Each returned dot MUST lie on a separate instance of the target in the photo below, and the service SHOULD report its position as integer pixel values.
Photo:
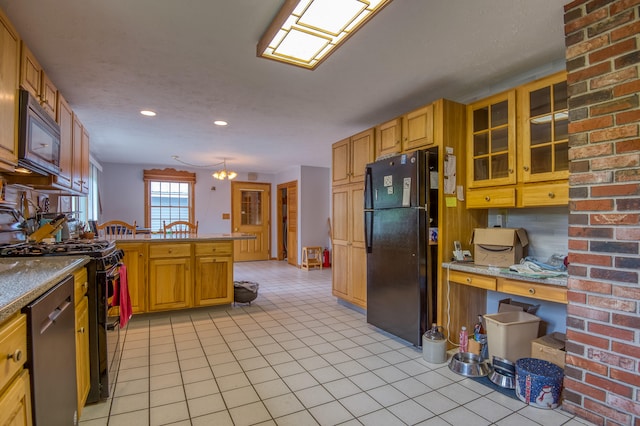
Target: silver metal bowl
(469, 364)
(503, 380)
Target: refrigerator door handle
(368, 229)
(368, 189)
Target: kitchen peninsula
(168, 272)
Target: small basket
(242, 294)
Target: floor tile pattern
(294, 356)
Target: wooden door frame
(280, 187)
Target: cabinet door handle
(487, 198)
(81, 330)
(552, 195)
(526, 168)
(16, 356)
(510, 171)
(532, 290)
(469, 280)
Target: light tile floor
(295, 356)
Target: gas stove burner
(93, 248)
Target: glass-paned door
(251, 216)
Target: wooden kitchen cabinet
(417, 128)
(135, 259)
(474, 280)
(83, 379)
(349, 268)
(9, 72)
(550, 293)
(170, 280)
(389, 137)
(214, 273)
(15, 394)
(65, 120)
(80, 170)
(350, 157)
(34, 79)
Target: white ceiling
(194, 61)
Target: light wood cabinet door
(34, 79)
(15, 402)
(340, 169)
(84, 162)
(544, 129)
(65, 120)
(350, 157)
(417, 128)
(349, 271)
(389, 137)
(48, 95)
(76, 168)
(13, 346)
(491, 147)
(135, 259)
(487, 198)
(9, 74)
(170, 283)
(550, 293)
(214, 281)
(544, 194)
(83, 379)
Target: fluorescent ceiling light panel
(305, 32)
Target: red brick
(627, 117)
(614, 219)
(617, 104)
(576, 297)
(574, 4)
(608, 359)
(590, 232)
(585, 414)
(608, 385)
(578, 245)
(591, 124)
(590, 286)
(615, 162)
(607, 411)
(620, 132)
(628, 234)
(624, 349)
(615, 190)
(627, 45)
(585, 389)
(625, 31)
(588, 339)
(588, 312)
(620, 5)
(609, 331)
(628, 88)
(590, 151)
(628, 146)
(624, 404)
(626, 292)
(587, 178)
(624, 376)
(593, 205)
(627, 175)
(583, 22)
(630, 321)
(611, 304)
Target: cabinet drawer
(13, 347)
(480, 281)
(224, 248)
(169, 250)
(551, 293)
(80, 284)
(554, 194)
(486, 198)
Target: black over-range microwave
(38, 137)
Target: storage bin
(538, 382)
(509, 334)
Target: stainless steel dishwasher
(52, 356)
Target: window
(168, 197)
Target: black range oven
(103, 275)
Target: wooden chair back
(116, 228)
(180, 228)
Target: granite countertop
(503, 273)
(23, 279)
(189, 238)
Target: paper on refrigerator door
(406, 192)
(450, 174)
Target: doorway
(287, 212)
(250, 214)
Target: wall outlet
(501, 220)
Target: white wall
(315, 210)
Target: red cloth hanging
(124, 301)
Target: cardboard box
(512, 305)
(501, 247)
(550, 348)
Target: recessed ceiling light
(148, 113)
(220, 123)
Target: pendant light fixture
(305, 32)
(220, 174)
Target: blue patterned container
(538, 382)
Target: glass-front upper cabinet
(544, 126)
(491, 148)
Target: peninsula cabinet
(214, 273)
(349, 268)
(15, 394)
(9, 72)
(350, 156)
(170, 281)
(518, 144)
(135, 259)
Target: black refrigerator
(401, 207)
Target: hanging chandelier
(220, 174)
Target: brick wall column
(602, 376)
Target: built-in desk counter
(169, 272)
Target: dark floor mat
(485, 381)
